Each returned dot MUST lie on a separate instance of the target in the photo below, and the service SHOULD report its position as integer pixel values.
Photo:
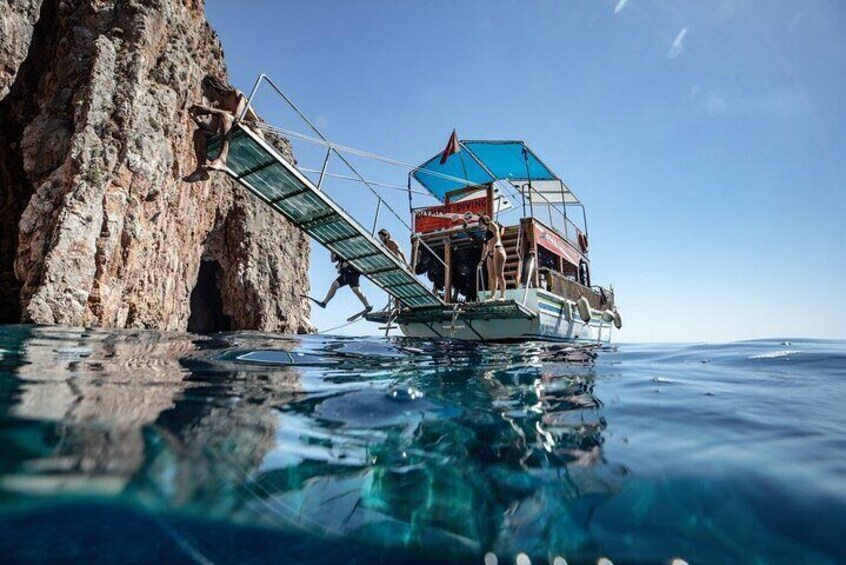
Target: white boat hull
(555, 319)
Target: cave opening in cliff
(206, 303)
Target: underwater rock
(96, 227)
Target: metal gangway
(260, 168)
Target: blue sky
(706, 139)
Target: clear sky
(706, 139)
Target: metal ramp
(260, 168)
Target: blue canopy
(481, 162)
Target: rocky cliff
(96, 227)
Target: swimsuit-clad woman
(494, 252)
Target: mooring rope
(339, 327)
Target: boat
(548, 294)
(444, 292)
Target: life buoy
(618, 320)
(584, 309)
(583, 242)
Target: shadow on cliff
(206, 303)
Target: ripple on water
(247, 445)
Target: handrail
(567, 240)
(335, 148)
(366, 154)
(331, 149)
(551, 204)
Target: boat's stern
(525, 314)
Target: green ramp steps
(259, 168)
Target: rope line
(321, 332)
(374, 183)
(358, 152)
(510, 190)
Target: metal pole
(523, 198)
(344, 159)
(297, 110)
(410, 203)
(261, 77)
(528, 277)
(563, 206)
(531, 203)
(525, 152)
(376, 218)
(323, 169)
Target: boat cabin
(543, 224)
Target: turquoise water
(138, 446)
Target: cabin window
(548, 260)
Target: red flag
(452, 147)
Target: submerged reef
(96, 227)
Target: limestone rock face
(17, 19)
(96, 227)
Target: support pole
(246, 109)
(415, 251)
(490, 194)
(448, 270)
(323, 168)
(529, 273)
(376, 217)
(534, 246)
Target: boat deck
(494, 310)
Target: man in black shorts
(347, 275)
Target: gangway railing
(261, 169)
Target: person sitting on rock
(226, 104)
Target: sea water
(141, 446)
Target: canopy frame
(529, 186)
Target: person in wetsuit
(347, 275)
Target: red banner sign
(553, 242)
(450, 215)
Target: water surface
(139, 446)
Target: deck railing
(572, 290)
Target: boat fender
(618, 320)
(583, 242)
(567, 311)
(607, 316)
(584, 309)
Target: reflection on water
(432, 449)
